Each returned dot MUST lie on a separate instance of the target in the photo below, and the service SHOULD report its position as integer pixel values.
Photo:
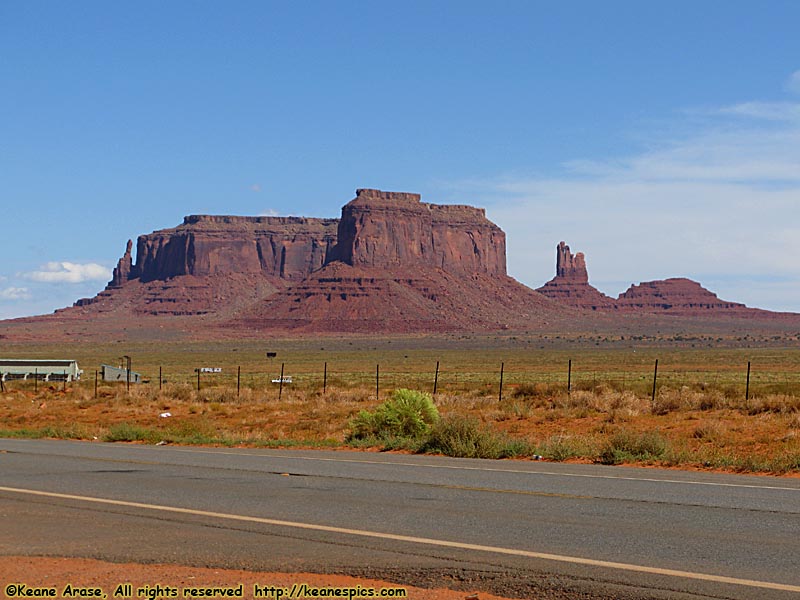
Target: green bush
(125, 432)
(627, 446)
(560, 448)
(465, 437)
(409, 414)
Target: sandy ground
(57, 573)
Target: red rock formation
(392, 263)
(402, 265)
(187, 268)
(676, 296)
(570, 267)
(571, 286)
(122, 272)
(341, 297)
(280, 247)
(388, 229)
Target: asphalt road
(535, 530)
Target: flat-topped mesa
(676, 295)
(372, 195)
(378, 228)
(280, 247)
(395, 229)
(257, 224)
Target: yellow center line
(420, 540)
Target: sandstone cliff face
(389, 229)
(281, 247)
(571, 286)
(377, 229)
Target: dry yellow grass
(703, 429)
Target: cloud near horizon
(15, 293)
(718, 204)
(69, 272)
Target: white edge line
(494, 470)
(420, 540)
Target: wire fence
(500, 380)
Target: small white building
(109, 373)
(41, 369)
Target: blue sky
(661, 139)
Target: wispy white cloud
(256, 187)
(793, 83)
(15, 293)
(720, 204)
(771, 111)
(69, 272)
(270, 212)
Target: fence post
(160, 379)
(198, 378)
(436, 378)
(747, 386)
(325, 378)
(502, 366)
(36, 381)
(377, 381)
(655, 376)
(2, 383)
(95, 383)
(238, 380)
(569, 377)
(280, 384)
(64, 385)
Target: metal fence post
(655, 377)
(747, 386)
(502, 366)
(569, 376)
(436, 378)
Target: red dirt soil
(58, 572)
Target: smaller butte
(571, 286)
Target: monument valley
(391, 264)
